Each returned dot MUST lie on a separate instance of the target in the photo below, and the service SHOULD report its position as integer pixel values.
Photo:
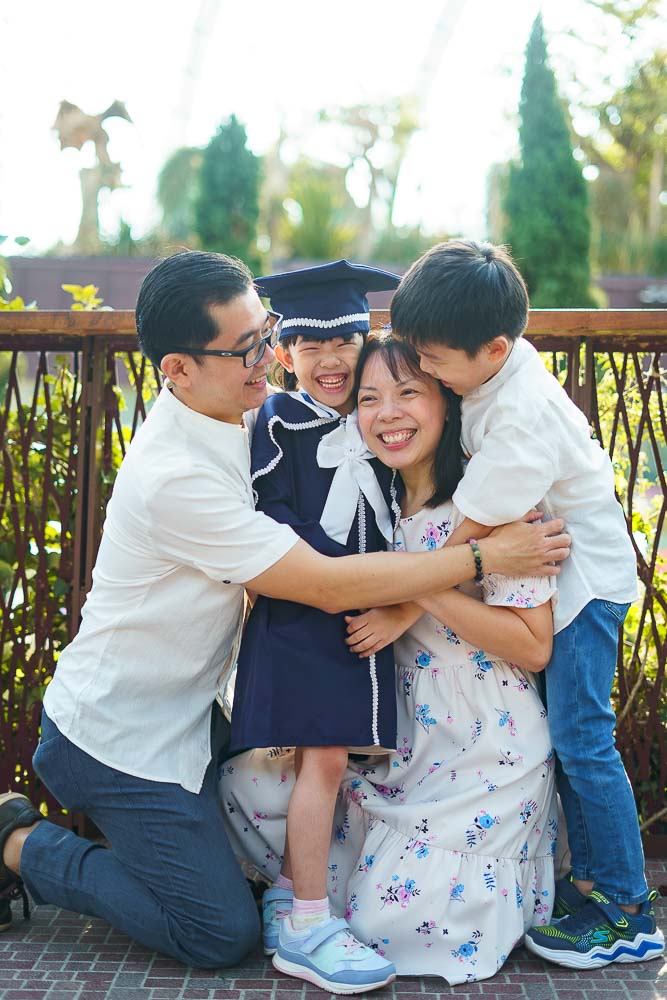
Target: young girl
(442, 850)
(297, 682)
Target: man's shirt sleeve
(206, 521)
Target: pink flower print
(283, 779)
(257, 818)
(432, 531)
(255, 780)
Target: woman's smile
(398, 438)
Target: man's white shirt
(531, 446)
(162, 622)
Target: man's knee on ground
(222, 946)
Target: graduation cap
(325, 301)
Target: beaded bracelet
(479, 572)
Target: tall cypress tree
(548, 225)
(227, 207)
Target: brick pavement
(62, 956)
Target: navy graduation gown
(297, 682)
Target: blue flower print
(422, 659)
(456, 890)
(449, 635)
(467, 951)
(528, 807)
(505, 719)
(423, 718)
(422, 851)
(367, 863)
(480, 827)
(481, 661)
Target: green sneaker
(598, 934)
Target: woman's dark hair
(460, 294)
(278, 375)
(401, 359)
(174, 300)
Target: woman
(443, 851)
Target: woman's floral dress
(442, 852)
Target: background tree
(629, 149)
(548, 224)
(375, 138)
(227, 206)
(320, 213)
(177, 191)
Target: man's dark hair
(402, 361)
(174, 300)
(460, 294)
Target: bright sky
(181, 67)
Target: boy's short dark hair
(460, 294)
(175, 296)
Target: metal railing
(74, 392)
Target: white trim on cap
(326, 324)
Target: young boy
(464, 307)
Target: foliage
(400, 246)
(319, 211)
(548, 226)
(629, 150)
(227, 204)
(375, 138)
(5, 283)
(177, 191)
(84, 296)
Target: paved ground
(60, 956)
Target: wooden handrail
(621, 323)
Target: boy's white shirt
(531, 446)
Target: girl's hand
(372, 630)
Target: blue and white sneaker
(329, 956)
(276, 905)
(598, 934)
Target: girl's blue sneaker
(329, 956)
(276, 905)
(598, 934)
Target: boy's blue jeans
(596, 795)
(169, 879)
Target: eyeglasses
(251, 355)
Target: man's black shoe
(16, 811)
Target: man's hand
(372, 630)
(521, 549)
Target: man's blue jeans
(596, 795)
(169, 879)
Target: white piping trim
(325, 324)
(395, 506)
(372, 669)
(275, 419)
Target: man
(126, 725)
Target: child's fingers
(355, 623)
(359, 643)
